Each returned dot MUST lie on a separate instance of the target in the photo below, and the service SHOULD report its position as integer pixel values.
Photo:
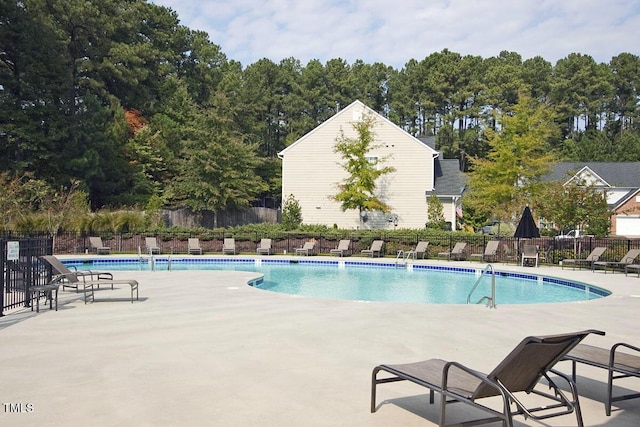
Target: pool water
(363, 281)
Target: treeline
(118, 96)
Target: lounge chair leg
(607, 404)
(373, 389)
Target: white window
(373, 160)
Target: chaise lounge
(490, 251)
(229, 246)
(375, 250)
(628, 259)
(619, 364)
(457, 253)
(594, 256)
(342, 249)
(420, 251)
(521, 371)
(193, 246)
(264, 247)
(306, 249)
(87, 279)
(98, 246)
(152, 245)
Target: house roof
(429, 141)
(449, 179)
(615, 174)
(626, 198)
(344, 111)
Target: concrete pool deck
(201, 348)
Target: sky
(393, 32)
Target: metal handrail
(491, 300)
(404, 256)
(152, 261)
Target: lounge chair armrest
(614, 349)
(99, 275)
(57, 278)
(477, 374)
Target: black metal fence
(552, 250)
(21, 269)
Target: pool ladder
(402, 258)
(152, 261)
(491, 300)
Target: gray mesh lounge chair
(264, 247)
(98, 247)
(490, 251)
(152, 245)
(306, 249)
(229, 246)
(619, 364)
(456, 253)
(626, 260)
(529, 363)
(85, 279)
(193, 246)
(629, 267)
(59, 268)
(594, 256)
(375, 250)
(420, 250)
(342, 249)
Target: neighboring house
(450, 183)
(312, 171)
(620, 181)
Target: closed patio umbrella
(527, 227)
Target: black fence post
(2, 278)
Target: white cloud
(395, 31)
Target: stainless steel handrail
(399, 255)
(404, 256)
(491, 300)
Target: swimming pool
(371, 281)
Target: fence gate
(21, 269)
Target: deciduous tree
(358, 190)
(576, 205)
(509, 178)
